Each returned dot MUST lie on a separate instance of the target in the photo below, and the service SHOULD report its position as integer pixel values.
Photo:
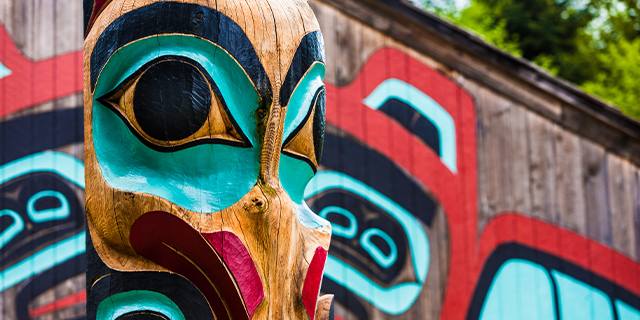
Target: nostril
(257, 202)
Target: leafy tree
(618, 82)
(478, 19)
(593, 43)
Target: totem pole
(204, 122)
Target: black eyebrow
(310, 50)
(185, 18)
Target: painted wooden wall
(459, 185)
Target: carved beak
(214, 262)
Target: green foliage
(619, 80)
(593, 43)
(478, 19)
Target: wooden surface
(538, 154)
(550, 168)
(42, 31)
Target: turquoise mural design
(53, 254)
(427, 107)
(393, 300)
(522, 289)
(4, 71)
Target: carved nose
(271, 144)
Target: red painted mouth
(217, 263)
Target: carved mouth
(212, 262)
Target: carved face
(203, 125)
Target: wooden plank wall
(540, 185)
(40, 112)
(522, 178)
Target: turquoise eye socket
(203, 178)
(308, 96)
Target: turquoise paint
(13, 230)
(59, 213)
(395, 300)
(4, 71)
(520, 290)
(302, 98)
(59, 163)
(581, 301)
(627, 312)
(383, 260)
(295, 174)
(348, 232)
(399, 298)
(523, 289)
(138, 300)
(204, 178)
(239, 93)
(426, 106)
(310, 219)
(48, 257)
(43, 260)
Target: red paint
(98, 6)
(185, 251)
(237, 258)
(62, 303)
(456, 192)
(35, 82)
(311, 287)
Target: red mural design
(457, 192)
(35, 82)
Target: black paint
(318, 128)
(14, 196)
(88, 11)
(368, 216)
(26, 135)
(414, 122)
(345, 298)
(172, 100)
(550, 262)
(114, 95)
(145, 315)
(103, 282)
(20, 137)
(172, 17)
(319, 120)
(45, 281)
(345, 154)
(310, 50)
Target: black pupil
(171, 100)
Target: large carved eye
(305, 142)
(172, 102)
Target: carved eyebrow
(310, 50)
(185, 18)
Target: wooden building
(461, 182)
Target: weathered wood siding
(42, 263)
(513, 169)
(552, 174)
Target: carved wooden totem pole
(204, 122)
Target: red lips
(217, 263)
